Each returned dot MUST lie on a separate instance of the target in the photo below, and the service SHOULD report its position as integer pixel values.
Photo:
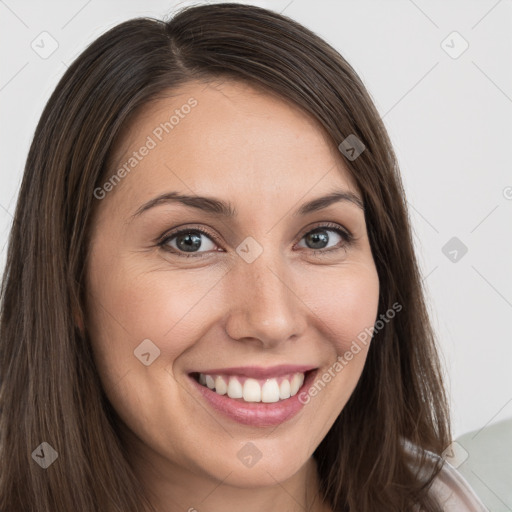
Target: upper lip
(259, 372)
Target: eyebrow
(221, 208)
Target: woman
(177, 333)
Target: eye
(318, 239)
(187, 242)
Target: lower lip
(257, 414)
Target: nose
(265, 306)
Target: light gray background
(450, 120)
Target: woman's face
(272, 292)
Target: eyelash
(345, 235)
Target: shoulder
(453, 493)
(449, 488)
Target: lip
(257, 372)
(256, 414)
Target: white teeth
(296, 383)
(210, 382)
(284, 389)
(251, 391)
(220, 386)
(270, 391)
(235, 388)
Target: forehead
(226, 137)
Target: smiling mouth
(246, 389)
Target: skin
(289, 306)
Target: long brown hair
(50, 389)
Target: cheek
(346, 304)
(348, 314)
(129, 303)
(132, 306)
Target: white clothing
(454, 493)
